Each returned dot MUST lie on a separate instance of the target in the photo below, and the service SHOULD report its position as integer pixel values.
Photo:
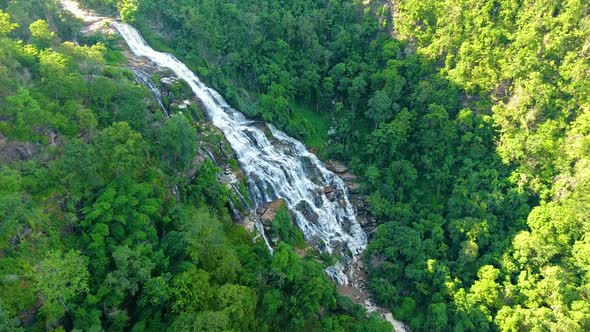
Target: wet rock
(317, 201)
(331, 196)
(361, 265)
(347, 224)
(328, 189)
(168, 80)
(347, 176)
(360, 202)
(363, 221)
(307, 211)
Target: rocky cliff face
(357, 198)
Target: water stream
(276, 165)
(147, 81)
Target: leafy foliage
(109, 222)
(469, 126)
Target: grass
(152, 39)
(114, 57)
(315, 125)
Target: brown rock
(353, 186)
(336, 166)
(272, 209)
(347, 176)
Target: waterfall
(277, 165)
(145, 79)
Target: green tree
(380, 108)
(284, 227)
(41, 33)
(29, 120)
(239, 304)
(6, 25)
(121, 150)
(60, 279)
(128, 9)
(192, 291)
(177, 142)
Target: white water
(277, 167)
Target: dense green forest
(468, 120)
(101, 226)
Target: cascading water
(277, 166)
(147, 81)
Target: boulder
(168, 80)
(271, 210)
(353, 187)
(347, 176)
(14, 151)
(331, 196)
(336, 166)
(317, 201)
(307, 211)
(184, 104)
(363, 221)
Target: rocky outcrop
(167, 80)
(15, 151)
(175, 97)
(264, 216)
(336, 167)
(357, 198)
(270, 210)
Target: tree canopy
(467, 121)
